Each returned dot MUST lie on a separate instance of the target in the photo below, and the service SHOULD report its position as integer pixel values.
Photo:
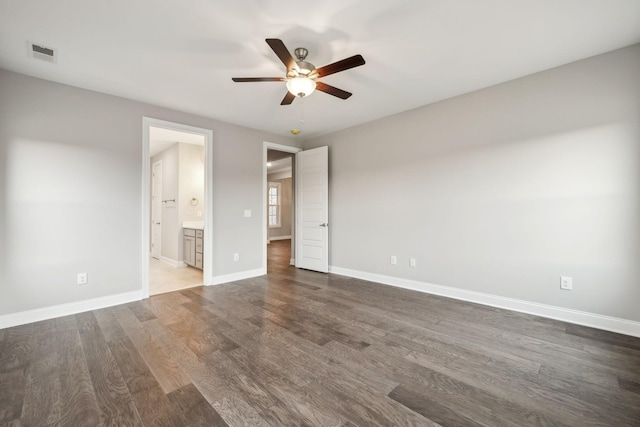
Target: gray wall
(502, 190)
(70, 186)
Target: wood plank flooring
(298, 348)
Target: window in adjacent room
(274, 204)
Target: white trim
(45, 313)
(607, 323)
(146, 211)
(207, 270)
(280, 237)
(241, 275)
(172, 262)
(292, 261)
(279, 147)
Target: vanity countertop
(196, 225)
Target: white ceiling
(182, 55)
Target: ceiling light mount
(301, 53)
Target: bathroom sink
(197, 225)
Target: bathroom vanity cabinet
(193, 247)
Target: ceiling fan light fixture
(301, 75)
(301, 86)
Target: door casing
(287, 149)
(207, 271)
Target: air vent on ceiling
(38, 51)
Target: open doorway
(177, 206)
(279, 206)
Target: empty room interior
(347, 213)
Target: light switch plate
(247, 213)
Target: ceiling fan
(301, 76)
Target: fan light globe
(301, 86)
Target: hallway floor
(278, 255)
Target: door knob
(324, 225)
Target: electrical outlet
(394, 260)
(236, 257)
(566, 283)
(83, 278)
(412, 262)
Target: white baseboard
(607, 323)
(280, 238)
(173, 262)
(292, 261)
(45, 313)
(232, 277)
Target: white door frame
(278, 147)
(147, 122)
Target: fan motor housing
(303, 69)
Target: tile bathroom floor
(167, 278)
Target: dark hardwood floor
(302, 348)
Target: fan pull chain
(302, 110)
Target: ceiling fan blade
(258, 79)
(331, 90)
(336, 67)
(283, 53)
(288, 98)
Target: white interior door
(156, 209)
(312, 209)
